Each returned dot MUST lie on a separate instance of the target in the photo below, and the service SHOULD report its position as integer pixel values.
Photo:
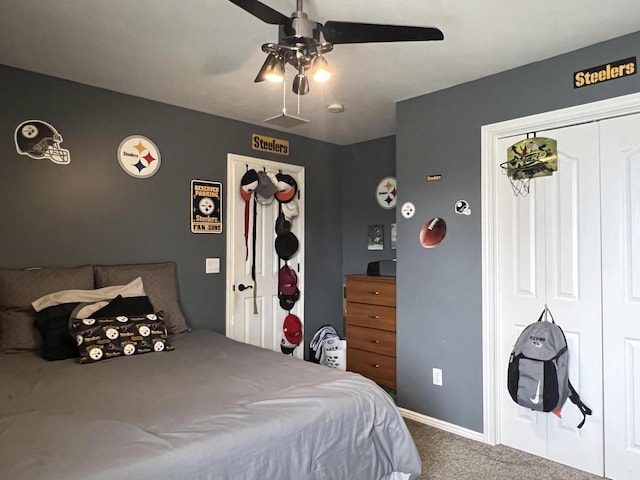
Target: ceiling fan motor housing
(300, 30)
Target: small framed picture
(375, 237)
(394, 236)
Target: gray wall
(439, 290)
(365, 164)
(90, 211)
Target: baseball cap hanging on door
(248, 184)
(286, 245)
(265, 189)
(287, 188)
(291, 334)
(288, 292)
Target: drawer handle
(374, 316)
(374, 293)
(375, 341)
(377, 365)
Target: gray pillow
(18, 288)
(160, 283)
(17, 331)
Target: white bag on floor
(329, 349)
(334, 353)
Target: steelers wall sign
(206, 206)
(139, 156)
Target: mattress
(213, 408)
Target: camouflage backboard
(531, 158)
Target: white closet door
(620, 147)
(261, 327)
(549, 252)
(573, 289)
(520, 256)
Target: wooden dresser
(370, 325)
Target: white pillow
(133, 289)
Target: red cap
(287, 280)
(292, 328)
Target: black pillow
(127, 306)
(53, 325)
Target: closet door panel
(521, 283)
(620, 152)
(573, 289)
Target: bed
(211, 408)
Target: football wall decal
(433, 232)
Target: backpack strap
(575, 399)
(546, 311)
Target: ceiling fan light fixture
(320, 69)
(272, 70)
(301, 84)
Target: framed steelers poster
(206, 206)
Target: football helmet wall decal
(38, 139)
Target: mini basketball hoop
(527, 159)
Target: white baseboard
(447, 427)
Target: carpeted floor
(446, 456)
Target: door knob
(242, 287)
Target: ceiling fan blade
(262, 11)
(349, 32)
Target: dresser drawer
(372, 316)
(372, 290)
(372, 340)
(379, 368)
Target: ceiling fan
(303, 42)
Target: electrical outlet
(437, 376)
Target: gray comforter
(211, 409)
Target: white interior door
(548, 252)
(254, 314)
(573, 290)
(521, 276)
(620, 147)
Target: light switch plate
(437, 376)
(212, 265)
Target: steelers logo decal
(386, 193)
(129, 349)
(158, 345)
(408, 210)
(144, 330)
(139, 156)
(152, 316)
(88, 321)
(122, 318)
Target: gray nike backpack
(538, 374)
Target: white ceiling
(204, 54)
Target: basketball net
(520, 186)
